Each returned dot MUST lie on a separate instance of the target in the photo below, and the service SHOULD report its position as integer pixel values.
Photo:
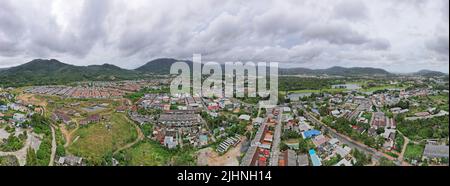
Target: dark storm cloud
(439, 45)
(11, 30)
(351, 10)
(335, 34)
(378, 44)
(80, 37)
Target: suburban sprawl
(320, 120)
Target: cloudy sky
(397, 35)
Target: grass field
(123, 130)
(382, 87)
(9, 161)
(151, 153)
(148, 154)
(97, 141)
(441, 101)
(330, 90)
(414, 151)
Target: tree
(380, 130)
(60, 151)
(31, 157)
(385, 162)
(361, 158)
(283, 146)
(301, 112)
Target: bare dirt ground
(32, 100)
(209, 157)
(68, 134)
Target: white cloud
(309, 33)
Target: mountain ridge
(52, 71)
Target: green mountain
(160, 66)
(44, 72)
(429, 73)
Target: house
(244, 117)
(422, 114)
(19, 118)
(170, 142)
(302, 160)
(17, 107)
(310, 133)
(203, 139)
(60, 116)
(262, 161)
(314, 158)
(335, 113)
(213, 114)
(344, 162)
(343, 151)
(286, 109)
(319, 140)
(303, 126)
(258, 121)
(91, 119)
(268, 137)
(378, 120)
(121, 109)
(333, 141)
(213, 107)
(436, 151)
(166, 107)
(70, 161)
(3, 108)
(291, 157)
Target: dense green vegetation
(151, 153)
(9, 161)
(361, 158)
(385, 162)
(13, 143)
(98, 141)
(333, 161)
(297, 83)
(147, 129)
(31, 157)
(436, 127)
(337, 71)
(414, 151)
(41, 125)
(138, 95)
(399, 142)
(48, 72)
(343, 126)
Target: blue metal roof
(311, 133)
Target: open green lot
(414, 151)
(9, 161)
(100, 139)
(151, 153)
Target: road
(22, 153)
(275, 152)
(52, 156)
(351, 143)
